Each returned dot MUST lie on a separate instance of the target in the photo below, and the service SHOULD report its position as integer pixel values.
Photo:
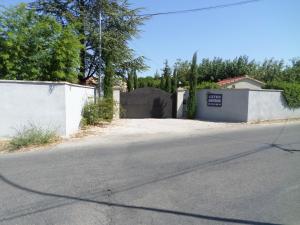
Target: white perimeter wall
(244, 105)
(234, 106)
(50, 105)
(76, 97)
(269, 105)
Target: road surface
(247, 175)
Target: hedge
(291, 92)
(97, 113)
(207, 85)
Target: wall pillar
(116, 99)
(179, 104)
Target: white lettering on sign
(214, 100)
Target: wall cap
(44, 83)
(242, 89)
(117, 88)
(180, 89)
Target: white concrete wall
(76, 97)
(234, 106)
(246, 84)
(116, 102)
(50, 105)
(244, 105)
(269, 105)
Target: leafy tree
(191, 103)
(207, 85)
(135, 80)
(156, 75)
(270, 70)
(130, 81)
(292, 73)
(162, 83)
(148, 82)
(119, 23)
(183, 68)
(167, 77)
(291, 92)
(36, 47)
(213, 70)
(174, 81)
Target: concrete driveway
(238, 175)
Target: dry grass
(275, 121)
(4, 146)
(91, 130)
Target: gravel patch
(155, 126)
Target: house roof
(233, 80)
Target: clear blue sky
(265, 29)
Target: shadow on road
(64, 200)
(76, 199)
(281, 147)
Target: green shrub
(99, 112)
(32, 136)
(207, 85)
(291, 92)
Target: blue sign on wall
(214, 100)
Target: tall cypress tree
(130, 81)
(108, 77)
(162, 83)
(167, 77)
(191, 104)
(174, 81)
(135, 80)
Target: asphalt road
(241, 176)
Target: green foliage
(130, 81)
(120, 24)
(135, 80)
(292, 73)
(191, 103)
(162, 83)
(35, 47)
(148, 82)
(291, 92)
(183, 69)
(32, 136)
(97, 113)
(174, 81)
(207, 85)
(108, 79)
(217, 69)
(167, 77)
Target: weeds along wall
(49, 105)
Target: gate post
(179, 103)
(116, 99)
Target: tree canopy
(192, 102)
(35, 47)
(119, 24)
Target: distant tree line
(213, 70)
(210, 71)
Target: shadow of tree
(75, 199)
(281, 147)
